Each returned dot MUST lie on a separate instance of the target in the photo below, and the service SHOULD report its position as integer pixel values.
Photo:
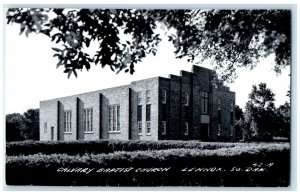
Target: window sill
(112, 132)
(91, 132)
(140, 134)
(67, 132)
(148, 134)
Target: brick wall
(81, 102)
(226, 97)
(186, 111)
(176, 112)
(174, 100)
(115, 96)
(142, 86)
(164, 84)
(201, 83)
(48, 114)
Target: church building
(192, 106)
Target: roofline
(99, 91)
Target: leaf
(87, 65)
(153, 52)
(112, 68)
(27, 32)
(46, 32)
(53, 38)
(58, 55)
(75, 73)
(131, 68)
(69, 73)
(22, 28)
(58, 40)
(59, 64)
(56, 49)
(9, 19)
(143, 54)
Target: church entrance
(204, 131)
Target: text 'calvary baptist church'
(192, 106)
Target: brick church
(192, 106)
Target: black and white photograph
(148, 97)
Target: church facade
(192, 106)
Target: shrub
(102, 146)
(40, 169)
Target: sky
(31, 75)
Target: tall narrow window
(204, 104)
(118, 117)
(164, 112)
(91, 119)
(67, 121)
(164, 97)
(114, 118)
(88, 120)
(70, 121)
(148, 118)
(186, 128)
(186, 99)
(84, 119)
(219, 129)
(139, 118)
(163, 127)
(110, 114)
(231, 130)
(140, 98)
(219, 117)
(231, 113)
(163, 124)
(231, 118)
(45, 126)
(139, 113)
(187, 113)
(148, 112)
(148, 126)
(219, 111)
(148, 97)
(140, 127)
